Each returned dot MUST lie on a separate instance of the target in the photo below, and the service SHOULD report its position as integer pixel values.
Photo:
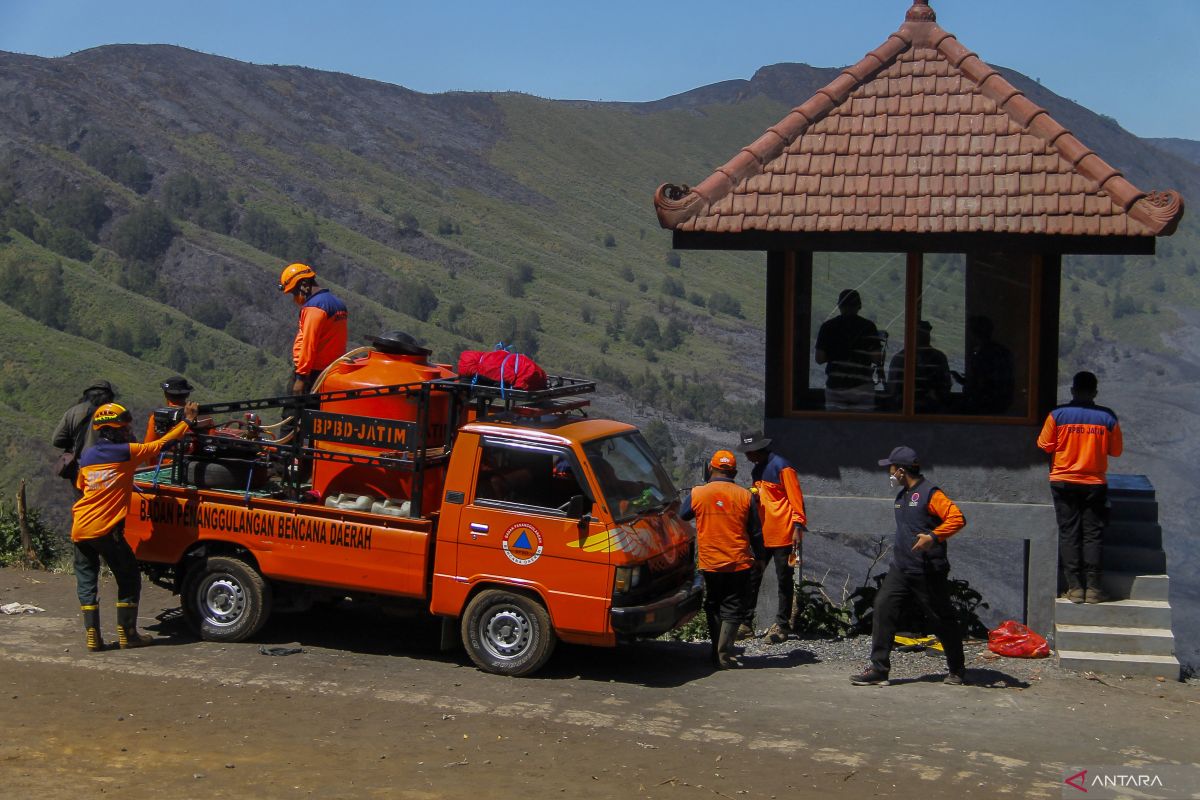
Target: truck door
(515, 529)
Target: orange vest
(722, 510)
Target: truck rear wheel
(507, 633)
(225, 599)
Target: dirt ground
(370, 708)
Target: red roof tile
(919, 136)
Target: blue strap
(157, 469)
(249, 478)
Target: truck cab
(510, 514)
(579, 516)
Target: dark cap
(1085, 382)
(102, 385)
(751, 441)
(849, 297)
(398, 343)
(176, 384)
(901, 457)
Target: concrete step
(1129, 586)
(1133, 533)
(1120, 664)
(1142, 560)
(1130, 486)
(1122, 613)
(1132, 508)
(1114, 639)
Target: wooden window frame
(794, 341)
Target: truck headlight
(628, 578)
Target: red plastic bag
(1014, 640)
(502, 368)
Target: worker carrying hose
(98, 518)
(322, 332)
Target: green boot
(127, 632)
(91, 628)
(725, 655)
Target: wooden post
(30, 556)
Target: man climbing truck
(509, 514)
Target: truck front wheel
(507, 633)
(225, 599)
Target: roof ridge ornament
(920, 12)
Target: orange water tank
(393, 358)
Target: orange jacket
(106, 480)
(321, 335)
(944, 509)
(1081, 436)
(727, 534)
(780, 500)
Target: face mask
(893, 481)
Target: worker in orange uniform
(1080, 436)
(176, 391)
(781, 509)
(321, 336)
(728, 541)
(925, 519)
(98, 527)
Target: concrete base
(1120, 663)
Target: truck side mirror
(579, 506)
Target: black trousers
(116, 552)
(784, 579)
(932, 591)
(1082, 513)
(726, 596)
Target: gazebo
(914, 213)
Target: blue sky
(1135, 60)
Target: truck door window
(542, 478)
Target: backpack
(501, 368)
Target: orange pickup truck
(509, 514)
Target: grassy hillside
(145, 243)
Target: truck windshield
(630, 475)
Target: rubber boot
(725, 657)
(91, 628)
(714, 633)
(127, 632)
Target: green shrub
(143, 235)
(48, 547)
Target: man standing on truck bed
(321, 335)
(98, 525)
(728, 541)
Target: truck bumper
(659, 616)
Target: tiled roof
(920, 136)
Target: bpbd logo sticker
(522, 544)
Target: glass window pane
(855, 319)
(974, 335)
(542, 478)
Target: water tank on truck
(393, 358)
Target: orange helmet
(723, 459)
(111, 415)
(292, 275)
